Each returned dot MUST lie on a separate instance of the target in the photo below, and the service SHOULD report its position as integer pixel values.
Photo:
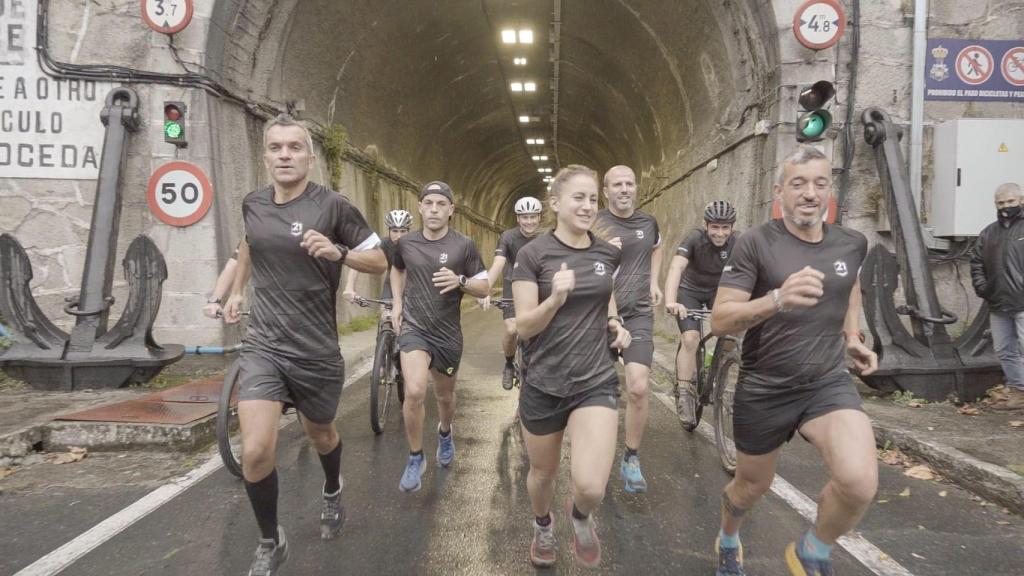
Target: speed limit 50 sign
(179, 193)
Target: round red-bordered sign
(179, 194)
(974, 65)
(1013, 66)
(819, 24)
(167, 16)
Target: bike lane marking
(66, 555)
(859, 547)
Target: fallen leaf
(1002, 522)
(914, 404)
(921, 472)
(5, 472)
(882, 501)
(943, 494)
(883, 556)
(1017, 423)
(74, 454)
(968, 410)
(918, 556)
(905, 493)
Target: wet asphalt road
(474, 518)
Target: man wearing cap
(432, 268)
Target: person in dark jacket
(997, 272)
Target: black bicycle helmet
(720, 211)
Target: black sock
(331, 463)
(577, 514)
(416, 453)
(544, 520)
(630, 452)
(263, 497)
(443, 433)
(509, 360)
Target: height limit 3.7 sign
(179, 193)
(167, 16)
(977, 70)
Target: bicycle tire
(227, 417)
(380, 380)
(726, 378)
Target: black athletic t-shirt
(293, 305)
(424, 308)
(705, 261)
(388, 247)
(800, 346)
(508, 246)
(640, 236)
(571, 355)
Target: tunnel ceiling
(428, 84)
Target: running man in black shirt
(528, 211)
(793, 285)
(297, 236)
(637, 289)
(691, 284)
(398, 223)
(432, 267)
(563, 283)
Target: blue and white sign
(975, 70)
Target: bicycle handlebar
(502, 303)
(367, 302)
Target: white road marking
(865, 552)
(91, 539)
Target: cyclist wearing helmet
(528, 211)
(398, 223)
(693, 275)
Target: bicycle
(518, 367)
(715, 385)
(387, 373)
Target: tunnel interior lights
(524, 119)
(519, 61)
(530, 86)
(526, 36)
(539, 158)
(516, 86)
(508, 36)
(523, 36)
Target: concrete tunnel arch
(660, 86)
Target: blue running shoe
(445, 448)
(411, 478)
(801, 566)
(631, 475)
(730, 561)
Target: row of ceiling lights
(512, 36)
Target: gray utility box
(973, 156)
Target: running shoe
(332, 514)
(801, 566)
(586, 546)
(542, 549)
(632, 476)
(412, 477)
(269, 556)
(686, 404)
(507, 375)
(730, 560)
(445, 447)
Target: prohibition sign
(179, 194)
(819, 24)
(974, 65)
(167, 16)
(1013, 66)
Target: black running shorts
(694, 301)
(312, 386)
(766, 418)
(543, 414)
(641, 330)
(442, 360)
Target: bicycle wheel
(227, 420)
(725, 390)
(381, 380)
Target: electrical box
(972, 157)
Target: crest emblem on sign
(840, 267)
(296, 228)
(640, 234)
(444, 257)
(599, 268)
(939, 71)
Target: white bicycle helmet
(398, 219)
(528, 205)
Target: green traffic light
(172, 129)
(813, 126)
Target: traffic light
(174, 124)
(813, 119)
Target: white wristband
(777, 298)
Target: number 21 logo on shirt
(599, 268)
(841, 269)
(296, 228)
(444, 257)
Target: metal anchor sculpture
(927, 362)
(91, 356)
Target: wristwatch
(344, 251)
(617, 319)
(212, 300)
(462, 281)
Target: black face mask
(1008, 213)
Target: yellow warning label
(1003, 148)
